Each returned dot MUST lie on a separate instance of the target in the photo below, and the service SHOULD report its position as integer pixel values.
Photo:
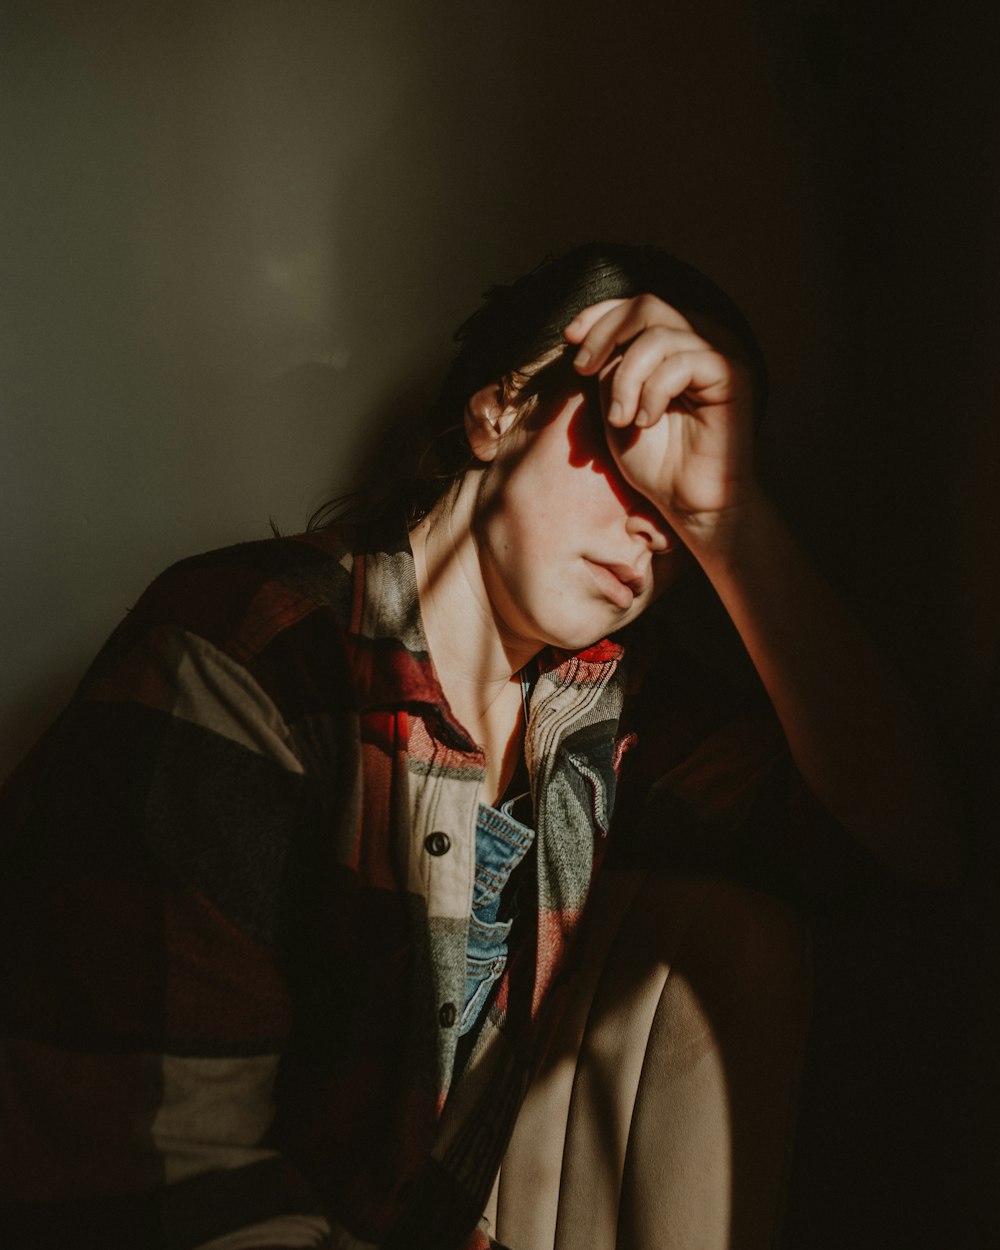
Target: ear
(487, 420)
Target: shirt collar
(392, 664)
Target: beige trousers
(662, 1116)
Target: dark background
(236, 238)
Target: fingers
(658, 368)
(581, 324)
(652, 355)
(604, 327)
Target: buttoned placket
(443, 806)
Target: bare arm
(854, 732)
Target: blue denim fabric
(502, 841)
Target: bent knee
(727, 939)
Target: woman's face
(568, 551)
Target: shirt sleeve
(148, 845)
(711, 787)
(737, 807)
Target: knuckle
(628, 378)
(649, 302)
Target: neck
(477, 661)
(476, 658)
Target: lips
(620, 583)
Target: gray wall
(238, 235)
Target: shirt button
(437, 843)
(447, 1015)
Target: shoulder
(240, 598)
(270, 617)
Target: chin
(576, 637)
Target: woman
(291, 901)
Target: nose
(646, 524)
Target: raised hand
(678, 408)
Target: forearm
(678, 420)
(853, 731)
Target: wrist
(723, 534)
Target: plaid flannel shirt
(234, 958)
